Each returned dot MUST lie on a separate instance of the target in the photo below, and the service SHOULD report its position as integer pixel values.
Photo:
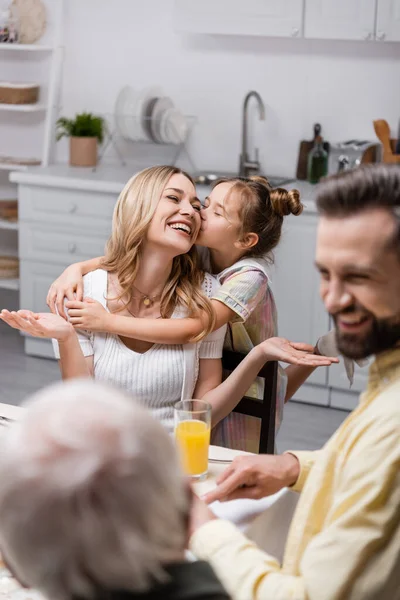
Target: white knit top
(157, 378)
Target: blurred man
(92, 501)
(344, 541)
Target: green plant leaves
(84, 125)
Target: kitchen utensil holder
(144, 151)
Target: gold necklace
(147, 300)
(137, 317)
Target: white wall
(343, 85)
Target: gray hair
(91, 495)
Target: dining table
(265, 521)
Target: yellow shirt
(344, 541)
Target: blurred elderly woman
(92, 501)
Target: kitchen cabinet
(340, 19)
(301, 314)
(388, 21)
(65, 216)
(368, 20)
(281, 18)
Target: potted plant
(85, 131)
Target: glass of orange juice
(192, 434)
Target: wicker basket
(9, 210)
(18, 93)
(9, 267)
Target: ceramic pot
(83, 151)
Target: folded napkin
(326, 346)
(266, 522)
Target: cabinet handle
(380, 35)
(295, 32)
(71, 247)
(367, 35)
(72, 207)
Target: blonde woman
(150, 271)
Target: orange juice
(193, 439)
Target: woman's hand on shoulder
(68, 285)
(294, 353)
(41, 325)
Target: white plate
(160, 107)
(120, 111)
(130, 115)
(143, 99)
(176, 126)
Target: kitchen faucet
(247, 166)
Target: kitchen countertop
(112, 178)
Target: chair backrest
(263, 409)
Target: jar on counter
(9, 27)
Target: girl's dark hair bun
(286, 202)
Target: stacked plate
(147, 115)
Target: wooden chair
(263, 409)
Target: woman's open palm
(294, 353)
(42, 325)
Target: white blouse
(157, 378)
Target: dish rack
(144, 146)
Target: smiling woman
(150, 270)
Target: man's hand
(88, 314)
(255, 477)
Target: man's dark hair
(364, 188)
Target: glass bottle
(317, 161)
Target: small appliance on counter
(344, 156)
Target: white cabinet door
(388, 21)
(295, 282)
(55, 244)
(340, 19)
(36, 278)
(281, 18)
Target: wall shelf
(13, 225)
(9, 284)
(23, 107)
(6, 166)
(25, 47)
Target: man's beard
(382, 335)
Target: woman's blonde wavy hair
(133, 214)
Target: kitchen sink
(209, 177)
